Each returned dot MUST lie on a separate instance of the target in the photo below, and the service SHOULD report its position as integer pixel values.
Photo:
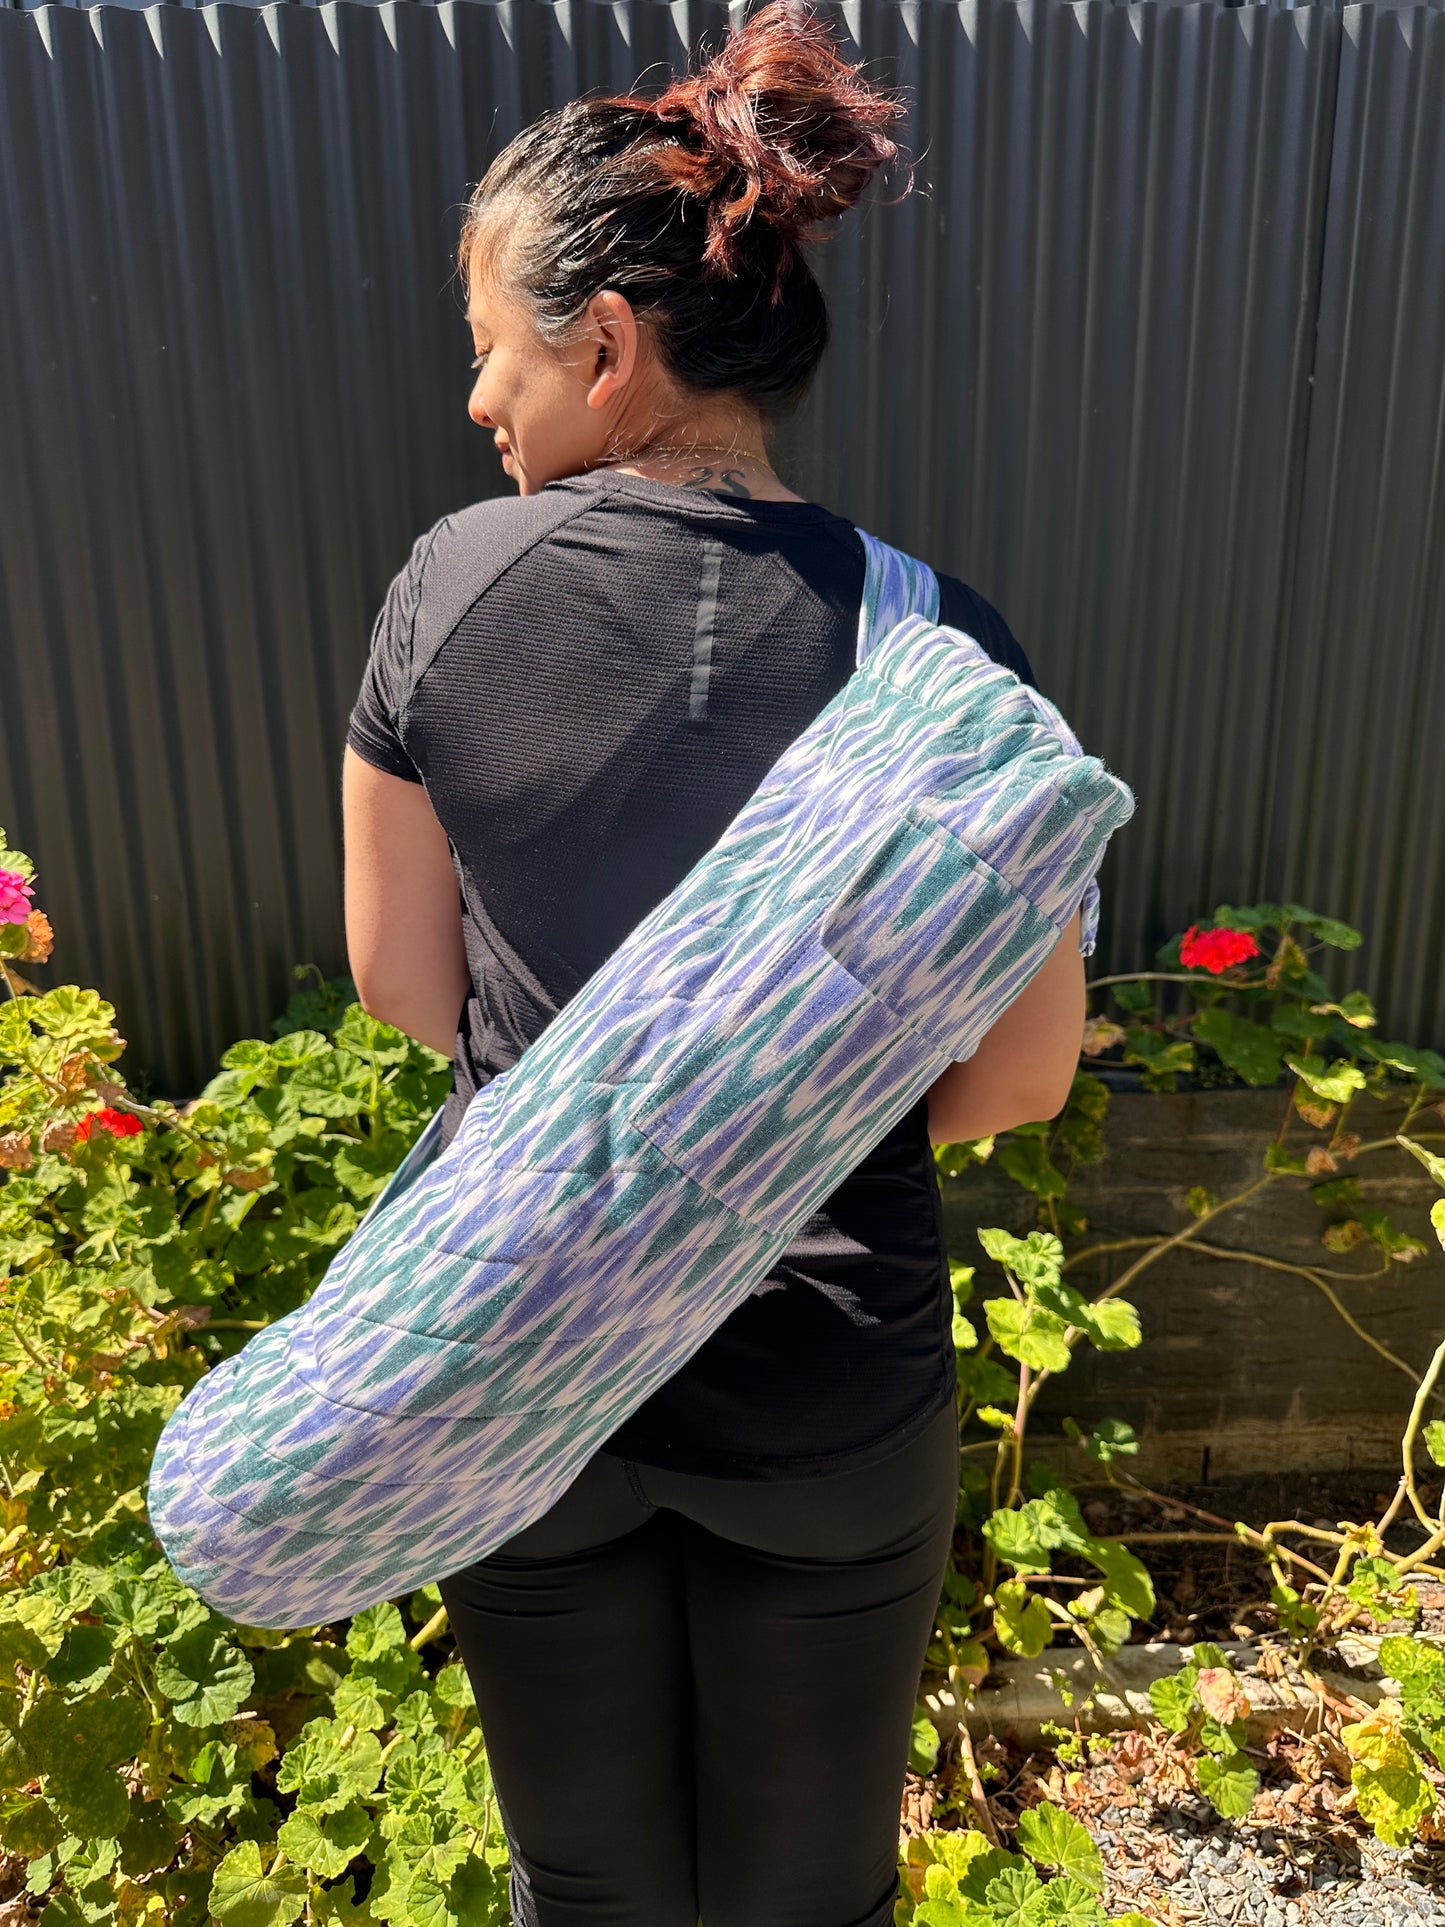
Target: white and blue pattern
(900, 874)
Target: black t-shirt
(591, 682)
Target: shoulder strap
(894, 586)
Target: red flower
(1215, 950)
(117, 1123)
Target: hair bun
(775, 128)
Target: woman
(696, 1673)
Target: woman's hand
(403, 906)
(1023, 1068)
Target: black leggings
(696, 1693)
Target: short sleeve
(960, 607)
(374, 731)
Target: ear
(610, 331)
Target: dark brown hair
(697, 205)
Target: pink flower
(1215, 950)
(15, 895)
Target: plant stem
(1283, 1132)
(433, 1629)
(1158, 1248)
(1102, 1666)
(1317, 1280)
(25, 1345)
(1237, 1526)
(973, 1780)
(1020, 1421)
(1183, 1236)
(1149, 977)
(1435, 1528)
(1391, 1144)
(968, 1764)
(1097, 1251)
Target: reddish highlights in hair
(696, 205)
(777, 127)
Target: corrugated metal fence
(1155, 357)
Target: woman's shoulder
(960, 607)
(486, 538)
(459, 558)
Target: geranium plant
(157, 1763)
(1250, 1007)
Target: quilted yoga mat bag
(900, 874)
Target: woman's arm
(1025, 1064)
(403, 908)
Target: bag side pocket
(797, 1076)
(933, 931)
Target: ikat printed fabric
(895, 881)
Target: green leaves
(325, 1769)
(1034, 1260)
(130, 1735)
(426, 1876)
(29, 1827)
(1029, 1333)
(1020, 1537)
(967, 1883)
(1056, 1839)
(204, 1675)
(922, 1743)
(1335, 1082)
(244, 1894)
(375, 1631)
(383, 1666)
(1418, 1666)
(1249, 1049)
(1434, 1165)
(1229, 1782)
(60, 1734)
(326, 1844)
(1192, 1701)
(1020, 1620)
(1427, 1066)
(1026, 1159)
(75, 1745)
(1033, 1328)
(1107, 1439)
(1161, 1058)
(1126, 1578)
(1026, 1538)
(1391, 1792)
(84, 1660)
(1135, 998)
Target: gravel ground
(1244, 1875)
(1302, 1858)
(1302, 1855)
